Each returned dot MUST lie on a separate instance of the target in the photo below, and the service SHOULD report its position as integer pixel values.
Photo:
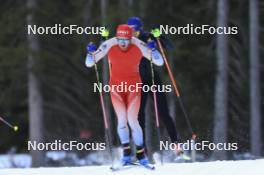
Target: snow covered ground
(242, 167)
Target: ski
(124, 167)
(149, 166)
(132, 165)
(119, 168)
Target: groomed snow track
(242, 167)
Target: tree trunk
(35, 100)
(105, 61)
(221, 91)
(87, 13)
(105, 79)
(130, 3)
(255, 114)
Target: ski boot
(126, 160)
(143, 161)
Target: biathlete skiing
(124, 55)
(146, 77)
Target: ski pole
(156, 34)
(15, 128)
(155, 105)
(106, 125)
(105, 35)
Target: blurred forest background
(47, 91)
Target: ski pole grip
(105, 33)
(155, 32)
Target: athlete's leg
(132, 116)
(121, 113)
(137, 134)
(164, 111)
(165, 116)
(141, 114)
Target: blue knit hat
(135, 22)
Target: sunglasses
(122, 40)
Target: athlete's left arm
(101, 52)
(153, 55)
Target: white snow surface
(242, 167)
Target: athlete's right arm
(101, 52)
(149, 53)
